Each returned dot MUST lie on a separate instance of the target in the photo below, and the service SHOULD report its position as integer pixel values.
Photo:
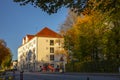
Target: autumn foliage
(94, 39)
(5, 55)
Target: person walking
(40, 69)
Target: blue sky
(17, 21)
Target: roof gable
(46, 32)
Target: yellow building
(45, 47)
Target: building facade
(45, 47)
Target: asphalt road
(66, 76)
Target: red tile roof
(46, 32)
(30, 37)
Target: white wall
(42, 50)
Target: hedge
(93, 66)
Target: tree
(114, 41)
(113, 44)
(52, 6)
(5, 54)
(87, 39)
(69, 43)
(70, 20)
(7, 61)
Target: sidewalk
(83, 74)
(17, 76)
(117, 75)
(94, 74)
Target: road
(65, 76)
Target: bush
(93, 66)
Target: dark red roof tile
(46, 32)
(30, 37)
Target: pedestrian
(40, 68)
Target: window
(51, 49)
(51, 42)
(51, 57)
